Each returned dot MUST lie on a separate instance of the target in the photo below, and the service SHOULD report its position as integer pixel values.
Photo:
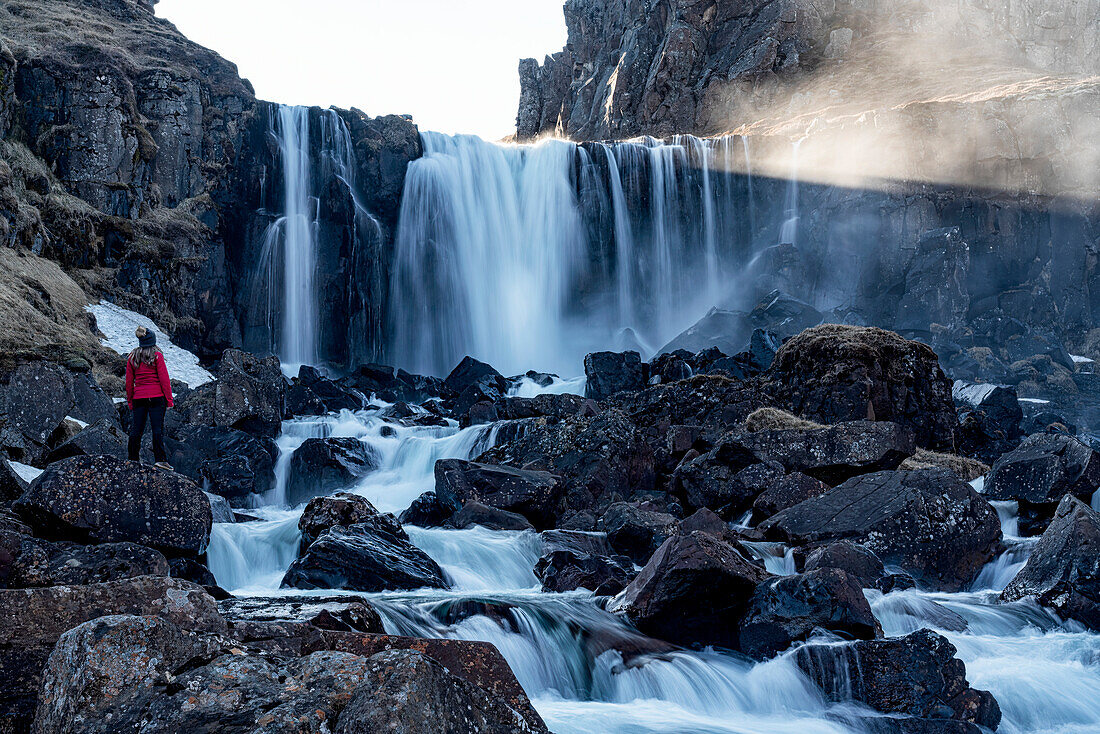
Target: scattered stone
(321, 466)
(636, 531)
(426, 511)
(534, 494)
(860, 563)
(563, 570)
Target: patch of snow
(77, 421)
(978, 484)
(118, 400)
(1078, 359)
(118, 325)
(26, 473)
(1037, 401)
(970, 392)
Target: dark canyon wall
(135, 159)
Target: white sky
(451, 64)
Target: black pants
(153, 409)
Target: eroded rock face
(607, 373)
(1063, 570)
(1043, 469)
(250, 393)
(636, 531)
(836, 373)
(38, 562)
(927, 521)
(563, 570)
(691, 590)
(917, 675)
(106, 500)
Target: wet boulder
(426, 511)
(783, 315)
(393, 385)
(12, 482)
(789, 609)
(101, 499)
(475, 513)
(690, 591)
(563, 570)
(1063, 570)
(347, 544)
(636, 530)
(470, 372)
(929, 522)
(834, 453)
(858, 562)
(917, 675)
(835, 373)
(250, 393)
(608, 373)
(322, 466)
(536, 495)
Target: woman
(149, 395)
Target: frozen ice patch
(1078, 359)
(26, 473)
(118, 325)
(973, 394)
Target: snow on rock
(27, 473)
(971, 393)
(118, 325)
(1078, 359)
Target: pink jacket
(148, 381)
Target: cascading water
(533, 255)
(588, 671)
(285, 285)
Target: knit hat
(146, 338)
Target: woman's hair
(143, 355)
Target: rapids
(565, 648)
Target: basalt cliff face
(135, 160)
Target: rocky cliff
(659, 67)
(134, 159)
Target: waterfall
(788, 231)
(288, 276)
(624, 240)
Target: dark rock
(230, 463)
(322, 466)
(103, 437)
(860, 563)
(670, 367)
(636, 531)
(426, 511)
(787, 491)
(726, 331)
(608, 373)
(12, 484)
(1045, 468)
(1063, 570)
(475, 513)
(191, 570)
(343, 509)
(928, 522)
(784, 315)
(407, 691)
(896, 582)
(347, 544)
(729, 476)
(704, 521)
(763, 346)
(834, 453)
(691, 590)
(917, 675)
(536, 495)
(597, 459)
(573, 541)
(563, 570)
(837, 373)
(989, 420)
(471, 372)
(355, 617)
(32, 620)
(104, 500)
(936, 283)
(250, 393)
(789, 609)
